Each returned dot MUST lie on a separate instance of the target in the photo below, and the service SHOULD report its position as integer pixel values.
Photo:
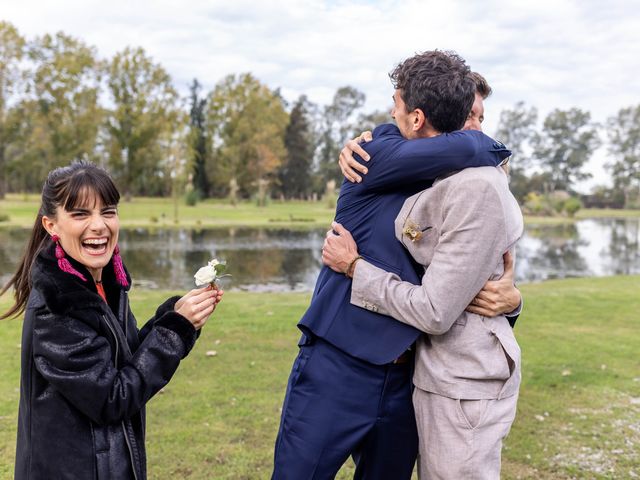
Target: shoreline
(160, 213)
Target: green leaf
(220, 268)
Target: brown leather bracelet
(349, 271)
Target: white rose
(214, 262)
(205, 275)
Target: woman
(87, 371)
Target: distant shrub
(571, 206)
(192, 197)
(153, 219)
(261, 201)
(537, 204)
(4, 217)
(555, 204)
(633, 203)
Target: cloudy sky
(548, 53)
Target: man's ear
(49, 225)
(418, 120)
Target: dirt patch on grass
(602, 442)
(520, 471)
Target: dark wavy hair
(482, 86)
(440, 84)
(66, 187)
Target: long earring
(63, 263)
(121, 276)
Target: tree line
(552, 159)
(60, 101)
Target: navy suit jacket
(398, 169)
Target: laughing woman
(87, 371)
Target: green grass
(578, 414)
(607, 213)
(159, 212)
(581, 215)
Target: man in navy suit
(349, 392)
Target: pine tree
(198, 139)
(295, 174)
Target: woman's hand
(198, 304)
(349, 165)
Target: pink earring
(121, 276)
(63, 263)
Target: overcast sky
(548, 53)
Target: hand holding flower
(211, 273)
(198, 304)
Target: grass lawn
(578, 416)
(581, 215)
(159, 212)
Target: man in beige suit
(468, 367)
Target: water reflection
(623, 252)
(259, 259)
(551, 252)
(286, 260)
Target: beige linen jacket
(458, 230)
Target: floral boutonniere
(211, 273)
(413, 230)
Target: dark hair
(66, 187)
(439, 83)
(482, 86)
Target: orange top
(101, 291)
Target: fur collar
(63, 291)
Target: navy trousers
(337, 405)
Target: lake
(289, 260)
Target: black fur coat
(87, 373)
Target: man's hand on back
(339, 250)
(497, 297)
(349, 165)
